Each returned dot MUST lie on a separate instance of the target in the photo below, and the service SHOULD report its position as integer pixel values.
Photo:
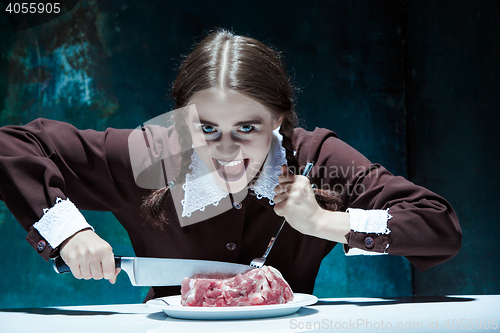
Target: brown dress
(46, 159)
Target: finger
(281, 188)
(303, 184)
(285, 187)
(291, 193)
(279, 198)
(278, 210)
(85, 271)
(74, 267)
(108, 266)
(285, 174)
(113, 279)
(96, 269)
(77, 273)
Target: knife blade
(155, 272)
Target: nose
(228, 149)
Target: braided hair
(240, 64)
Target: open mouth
(231, 170)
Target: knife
(165, 272)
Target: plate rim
(231, 312)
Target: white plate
(176, 310)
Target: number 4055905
(33, 8)
(471, 324)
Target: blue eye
(246, 128)
(208, 129)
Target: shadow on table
(399, 300)
(56, 311)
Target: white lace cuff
(368, 221)
(60, 222)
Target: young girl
(226, 173)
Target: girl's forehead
(223, 106)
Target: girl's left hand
(295, 201)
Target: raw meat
(260, 286)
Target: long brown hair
(241, 64)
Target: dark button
(41, 246)
(231, 246)
(237, 205)
(369, 243)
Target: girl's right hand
(89, 256)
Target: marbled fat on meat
(260, 286)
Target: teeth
(232, 163)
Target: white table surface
(420, 314)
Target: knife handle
(61, 267)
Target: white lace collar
(201, 189)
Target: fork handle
(271, 242)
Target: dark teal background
(413, 85)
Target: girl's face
(232, 134)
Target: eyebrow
(256, 121)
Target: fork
(259, 261)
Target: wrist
(329, 225)
(63, 244)
(316, 222)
